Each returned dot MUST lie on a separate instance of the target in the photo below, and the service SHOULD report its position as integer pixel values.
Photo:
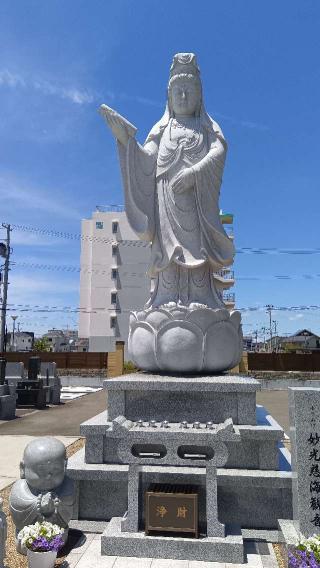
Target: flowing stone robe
(188, 241)
(23, 504)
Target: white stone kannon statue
(172, 185)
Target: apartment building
(113, 277)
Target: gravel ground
(13, 558)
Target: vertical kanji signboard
(304, 406)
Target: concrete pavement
(276, 402)
(62, 420)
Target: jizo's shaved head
(44, 449)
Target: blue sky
(59, 60)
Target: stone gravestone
(3, 364)
(7, 400)
(304, 407)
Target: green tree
(41, 344)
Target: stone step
(215, 549)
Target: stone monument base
(115, 542)
(161, 429)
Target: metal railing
(225, 274)
(110, 208)
(230, 297)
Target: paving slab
(11, 451)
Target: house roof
(303, 333)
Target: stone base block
(214, 549)
(192, 398)
(8, 407)
(95, 527)
(253, 499)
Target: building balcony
(224, 278)
(229, 299)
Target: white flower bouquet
(42, 537)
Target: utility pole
(275, 323)
(269, 311)
(6, 254)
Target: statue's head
(44, 464)
(184, 89)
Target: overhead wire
(125, 243)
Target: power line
(74, 309)
(107, 271)
(124, 243)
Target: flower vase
(41, 559)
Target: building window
(113, 322)
(114, 273)
(115, 227)
(99, 224)
(114, 250)
(113, 297)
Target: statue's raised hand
(184, 180)
(121, 128)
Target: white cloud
(20, 195)
(22, 287)
(296, 317)
(27, 292)
(11, 79)
(22, 238)
(73, 94)
(239, 122)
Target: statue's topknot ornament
(172, 186)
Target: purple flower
(312, 561)
(302, 559)
(41, 544)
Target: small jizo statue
(3, 535)
(44, 492)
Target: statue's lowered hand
(184, 180)
(121, 128)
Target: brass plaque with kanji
(171, 508)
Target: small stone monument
(44, 492)
(3, 535)
(7, 399)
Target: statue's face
(185, 95)
(45, 474)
